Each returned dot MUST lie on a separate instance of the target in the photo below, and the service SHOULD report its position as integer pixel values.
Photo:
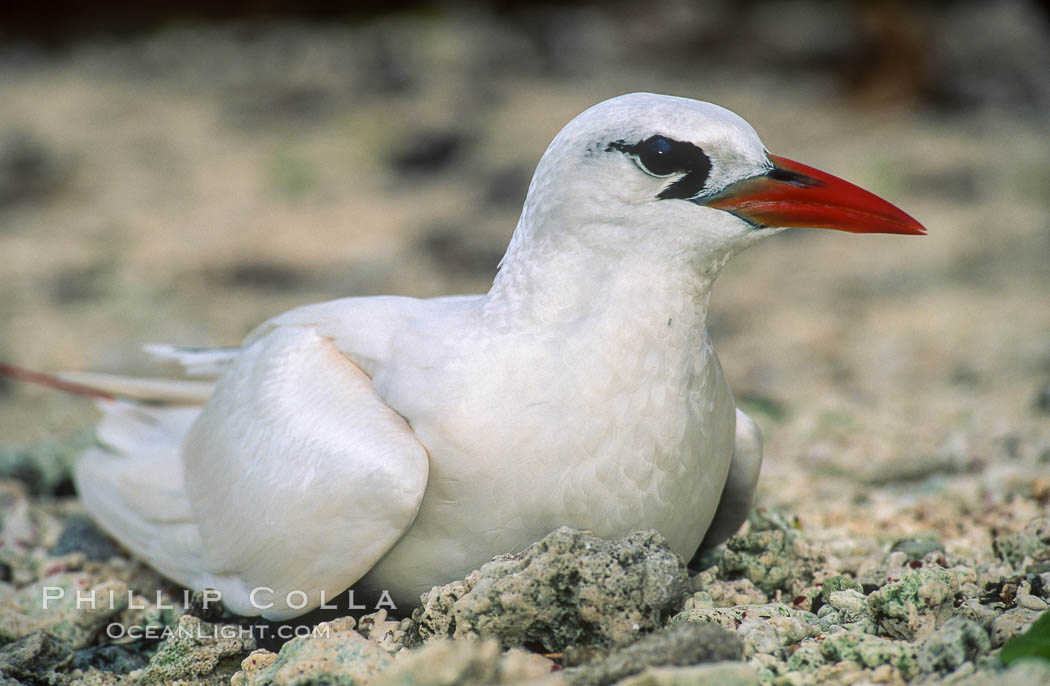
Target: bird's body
(399, 443)
(606, 421)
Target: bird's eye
(662, 157)
(659, 156)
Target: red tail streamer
(51, 381)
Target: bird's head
(678, 177)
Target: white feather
(209, 362)
(173, 391)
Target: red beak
(793, 194)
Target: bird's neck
(549, 287)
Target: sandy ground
(185, 186)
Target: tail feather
(145, 509)
(195, 361)
(132, 481)
(133, 484)
(52, 381)
(168, 391)
(113, 386)
(132, 430)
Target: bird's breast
(527, 435)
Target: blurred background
(178, 172)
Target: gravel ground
(183, 186)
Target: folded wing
(293, 480)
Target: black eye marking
(662, 156)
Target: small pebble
(82, 535)
(917, 548)
(1031, 602)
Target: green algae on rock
(768, 628)
(870, 651)
(807, 657)
(52, 606)
(333, 654)
(1027, 548)
(763, 557)
(450, 663)
(949, 647)
(837, 583)
(772, 554)
(847, 608)
(569, 588)
(197, 651)
(914, 606)
(719, 674)
(725, 592)
(680, 645)
(33, 657)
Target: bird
(392, 444)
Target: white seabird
(396, 443)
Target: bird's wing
(299, 476)
(362, 328)
(291, 481)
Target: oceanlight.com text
(119, 632)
